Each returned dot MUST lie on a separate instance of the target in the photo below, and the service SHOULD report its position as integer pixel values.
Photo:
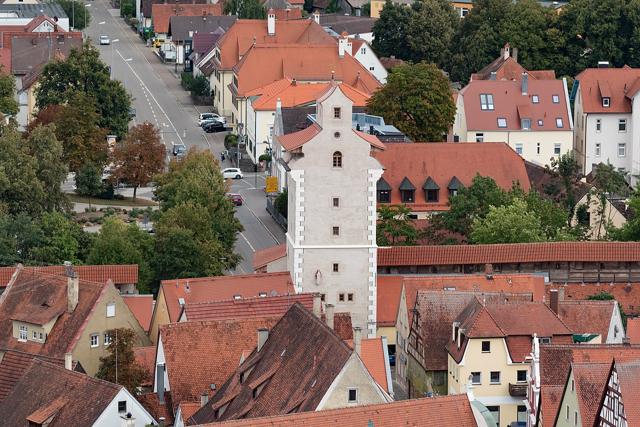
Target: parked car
(104, 40)
(236, 199)
(214, 126)
(232, 173)
(204, 117)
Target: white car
(205, 117)
(104, 40)
(232, 173)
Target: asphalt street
(159, 99)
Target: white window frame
(486, 102)
(111, 309)
(525, 124)
(555, 99)
(623, 146)
(502, 122)
(622, 123)
(519, 148)
(363, 50)
(559, 122)
(598, 125)
(557, 149)
(606, 102)
(479, 382)
(598, 149)
(491, 381)
(535, 99)
(23, 333)
(97, 340)
(540, 122)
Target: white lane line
(273, 236)
(248, 242)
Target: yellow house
(489, 348)
(63, 317)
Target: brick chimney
(68, 361)
(271, 23)
(263, 335)
(317, 305)
(553, 300)
(329, 311)
(357, 340)
(204, 398)
(72, 287)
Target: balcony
(518, 390)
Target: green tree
(389, 31)
(430, 31)
(139, 157)
(608, 182)
(78, 13)
(89, 181)
(333, 7)
(245, 9)
(8, 103)
(395, 227)
(417, 100)
(119, 243)
(567, 167)
(60, 240)
(512, 223)
(366, 9)
(119, 366)
(606, 296)
(83, 71)
(127, 8)
(630, 231)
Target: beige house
(61, 316)
(597, 220)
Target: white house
(361, 50)
(532, 116)
(605, 105)
(331, 179)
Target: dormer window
(535, 99)
(23, 333)
(407, 191)
(383, 190)
(454, 186)
(525, 124)
(502, 122)
(606, 102)
(431, 191)
(559, 122)
(486, 102)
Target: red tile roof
(590, 381)
(510, 253)
(266, 63)
(300, 359)
(245, 33)
(371, 139)
(550, 401)
(372, 355)
(146, 357)
(441, 162)
(188, 409)
(587, 317)
(627, 294)
(142, 308)
(118, 274)
(617, 83)
(220, 288)
(247, 308)
(287, 14)
(33, 289)
(629, 378)
(186, 342)
(507, 95)
(265, 256)
(161, 13)
(449, 411)
(54, 390)
(633, 330)
(342, 325)
(14, 364)
(388, 297)
(294, 140)
(509, 69)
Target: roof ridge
(484, 307)
(200, 323)
(78, 374)
(249, 299)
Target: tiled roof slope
(509, 69)
(161, 13)
(118, 274)
(146, 357)
(48, 385)
(590, 381)
(618, 82)
(627, 294)
(142, 308)
(388, 297)
(550, 400)
(587, 317)
(629, 378)
(372, 355)
(245, 32)
(26, 298)
(510, 253)
(266, 63)
(300, 359)
(509, 103)
(442, 162)
(633, 330)
(13, 365)
(447, 411)
(220, 288)
(247, 308)
(263, 257)
(437, 310)
(198, 354)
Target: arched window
(337, 159)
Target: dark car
(236, 199)
(214, 126)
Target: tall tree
(395, 227)
(120, 365)
(245, 9)
(417, 100)
(83, 71)
(389, 31)
(8, 103)
(89, 181)
(630, 231)
(608, 182)
(78, 13)
(512, 223)
(567, 167)
(139, 157)
(430, 31)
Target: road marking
(275, 239)
(248, 242)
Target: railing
(517, 390)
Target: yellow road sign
(272, 184)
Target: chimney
(329, 311)
(525, 83)
(553, 300)
(316, 17)
(514, 54)
(68, 361)
(493, 75)
(128, 420)
(204, 398)
(317, 305)
(271, 23)
(507, 51)
(342, 44)
(161, 422)
(263, 335)
(357, 339)
(278, 105)
(72, 287)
